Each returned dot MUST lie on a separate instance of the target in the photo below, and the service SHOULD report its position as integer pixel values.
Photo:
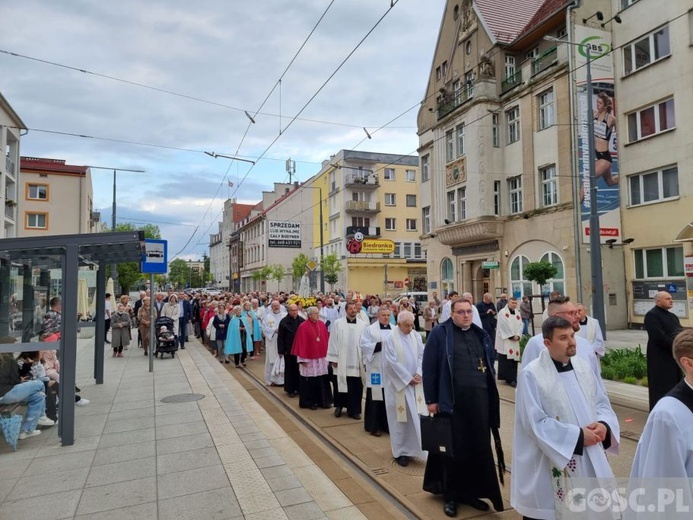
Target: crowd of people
(326, 349)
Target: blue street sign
(155, 260)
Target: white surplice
(584, 350)
(550, 410)
(269, 325)
(509, 326)
(592, 332)
(373, 360)
(665, 449)
(405, 437)
(343, 349)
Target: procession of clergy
(564, 422)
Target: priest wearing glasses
(459, 380)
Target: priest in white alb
(344, 354)
(371, 343)
(665, 449)
(564, 425)
(270, 324)
(508, 334)
(404, 397)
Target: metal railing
(9, 165)
(457, 100)
(544, 61)
(361, 205)
(512, 81)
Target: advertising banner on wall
(605, 134)
(284, 234)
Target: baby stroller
(165, 340)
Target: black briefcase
(436, 435)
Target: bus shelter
(32, 268)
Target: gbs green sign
(597, 46)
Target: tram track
(385, 491)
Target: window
(447, 277)
(358, 196)
(557, 283)
(460, 140)
(37, 220)
(651, 120)
(398, 248)
(390, 199)
(626, 3)
(426, 219)
(532, 54)
(515, 190)
(389, 174)
(457, 91)
(654, 186)
(411, 224)
(647, 50)
(496, 134)
(445, 68)
(664, 262)
(425, 168)
(519, 286)
(411, 201)
(468, 48)
(549, 186)
(512, 117)
(418, 254)
(406, 250)
(361, 221)
(496, 197)
(462, 203)
(449, 146)
(452, 213)
(390, 224)
(439, 73)
(469, 81)
(546, 109)
(37, 192)
(509, 66)
(410, 175)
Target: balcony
(361, 206)
(511, 82)
(10, 206)
(546, 60)
(458, 98)
(361, 179)
(368, 232)
(9, 165)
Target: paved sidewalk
(135, 457)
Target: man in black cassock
(662, 327)
(458, 380)
(487, 313)
(285, 340)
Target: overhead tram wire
(166, 91)
(294, 118)
(278, 82)
(252, 122)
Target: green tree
(540, 272)
(277, 273)
(129, 273)
(331, 267)
(299, 266)
(263, 274)
(179, 273)
(160, 280)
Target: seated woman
(16, 389)
(31, 364)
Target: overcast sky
(222, 52)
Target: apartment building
(378, 195)
(220, 255)
(56, 198)
(654, 72)
(500, 151)
(10, 130)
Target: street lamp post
(322, 238)
(114, 267)
(594, 226)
